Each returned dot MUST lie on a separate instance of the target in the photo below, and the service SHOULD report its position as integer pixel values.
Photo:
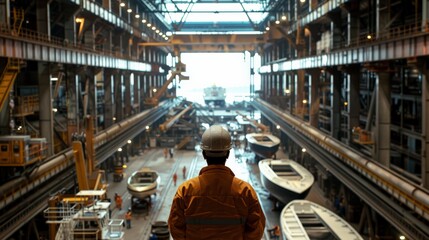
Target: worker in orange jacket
(175, 178)
(216, 204)
(118, 201)
(274, 232)
(128, 217)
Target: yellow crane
(177, 71)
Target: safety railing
(38, 37)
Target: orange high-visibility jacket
(128, 215)
(216, 205)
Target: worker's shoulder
(243, 185)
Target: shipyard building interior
(87, 85)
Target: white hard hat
(216, 141)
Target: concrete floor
(193, 161)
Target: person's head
(216, 143)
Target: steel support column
(314, 97)
(108, 101)
(336, 103)
(45, 99)
(382, 118)
(425, 126)
(127, 94)
(117, 83)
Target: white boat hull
(264, 145)
(285, 179)
(143, 183)
(305, 220)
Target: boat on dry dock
(305, 220)
(263, 144)
(143, 183)
(285, 179)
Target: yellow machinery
(84, 181)
(88, 178)
(89, 181)
(180, 67)
(21, 150)
(361, 136)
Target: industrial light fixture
(122, 4)
(284, 18)
(129, 10)
(267, 28)
(147, 127)
(369, 36)
(129, 141)
(278, 126)
(277, 22)
(302, 1)
(119, 149)
(137, 16)
(304, 150)
(304, 101)
(149, 24)
(144, 20)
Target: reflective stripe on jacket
(216, 205)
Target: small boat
(285, 179)
(305, 220)
(264, 145)
(143, 183)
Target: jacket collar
(218, 169)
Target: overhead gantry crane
(177, 71)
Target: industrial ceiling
(213, 25)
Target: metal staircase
(13, 65)
(7, 79)
(18, 19)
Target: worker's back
(220, 206)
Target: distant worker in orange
(216, 204)
(128, 217)
(175, 178)
(165, 152)
(184, 172)
(274, 232)
(118, 201)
